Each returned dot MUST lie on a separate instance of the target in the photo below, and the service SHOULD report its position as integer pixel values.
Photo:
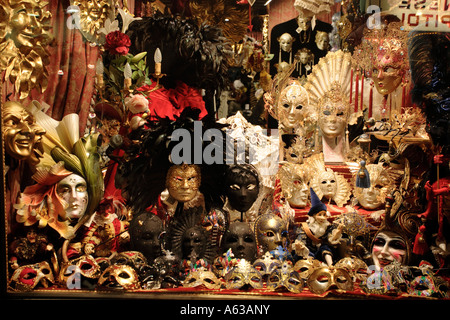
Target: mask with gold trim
(327, 278)
(119, 277)
(202, 277)
(271, 232)
(27, 278)
(183, 181)
(85, 265)
(243, 274)
(305, 267)
(287, 277)
(267, 264)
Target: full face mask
(327, 278)
(241, 240)
(183, 182)
(293, 105)
(146, 235)
(271, 232)
(74, 191)
(242, 186)
(388, 247)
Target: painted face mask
(271, 232)
(293, 105)
(388, 247)
(122, 277)
(243, 274)
(73, 190)
(241, 240)
(285, 277)
(327, 278)
(27, 278)
(374, 197)
(183, 182)
(294, 185)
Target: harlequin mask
(422, 286)
(241, 240)
(73, 190)
(305, 267)
(86, 265)
(242, 274)
(21, 134)
(293, 105)
(333, 112)
(202, 276)
(271, 232)
(28, 277)
(119, 277)
(286, 277)
(326, 278)
(183, 181)
(267, 264)
(242, 186)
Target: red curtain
(71, 70)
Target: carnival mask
(202, 277)
(243, 274)
(86, 266)
(28, 277)
(304, 23)
(286, 41)
(294, 185)
(267, 264)
(193, 243)
(328, 184)
(322, 40)
(119, 277)
(355, 234)
(271, 232)
(305, 267)
(73, 190)
(146, 235)
(373, 197)
(183, 182)
(241, 240)
(327, 278)
(92, 15)
(242, 186)
(287, 277)
(292, 105)
(388, 247)
(333, 117)
(134, 259)
(21, 134)
(355, 267)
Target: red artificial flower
(117, 43)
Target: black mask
(241, 240)
(242, 188)
(193, 243)
(146, 230)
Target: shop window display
(345, 196)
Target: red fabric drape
(71, 71)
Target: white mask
(73, 190)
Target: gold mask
(119, 277)
(326, 278)
(24, 36)
(287, 277)
(183, 182)
(21, 134)
(92, 15)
